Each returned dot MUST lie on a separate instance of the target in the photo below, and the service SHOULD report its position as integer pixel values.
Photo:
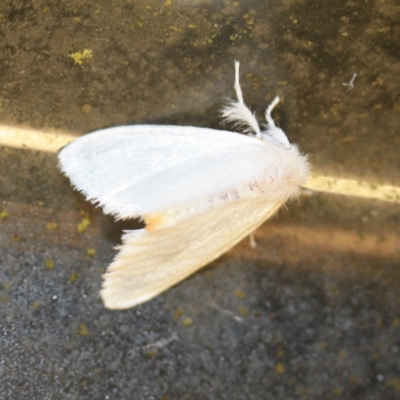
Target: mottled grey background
(313, 312)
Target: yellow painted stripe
(353, 187)
(54, 141)
(33, 139)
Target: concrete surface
(313, 312)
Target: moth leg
(252, 240)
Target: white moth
(199, 191)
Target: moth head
(276, 137)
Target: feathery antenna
(237, 113)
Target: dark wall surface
(313, 312)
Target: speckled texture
(312, 313)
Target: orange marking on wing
(153, 221)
